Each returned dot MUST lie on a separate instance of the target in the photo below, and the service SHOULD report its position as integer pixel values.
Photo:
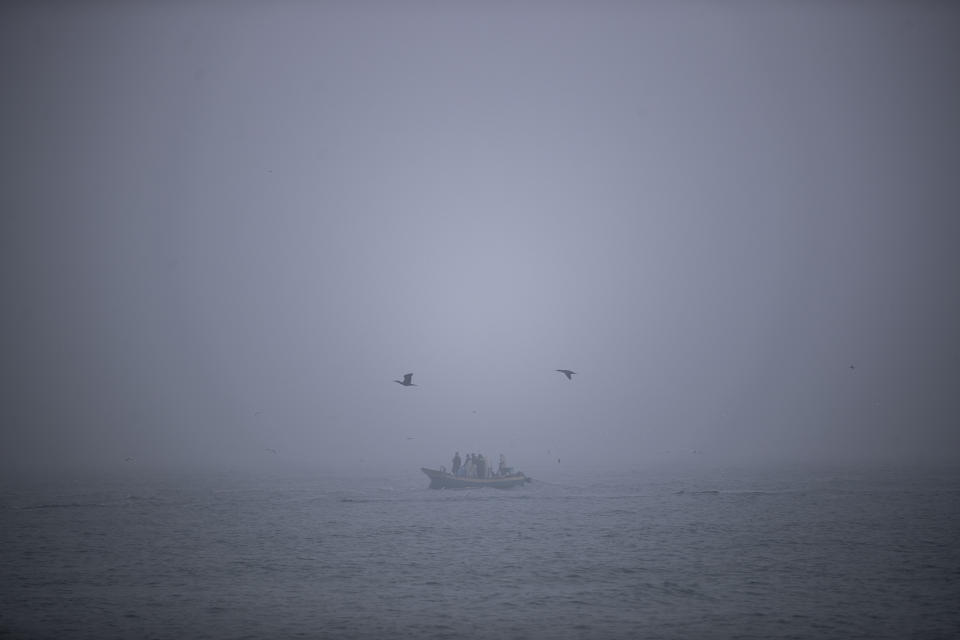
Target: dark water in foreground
(722, 554)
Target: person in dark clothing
(456, 462)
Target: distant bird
(567, 373)
(273, 451)
(407, 380)
(852, 367)
(128, 459)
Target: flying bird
(407, 380)
(567, 373)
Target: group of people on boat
(476, 466)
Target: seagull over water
(407, 380)
(567, 373)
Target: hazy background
(228, 227)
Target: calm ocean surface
(717, 554)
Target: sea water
(719, 554)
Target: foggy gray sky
(230, 226)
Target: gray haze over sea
(629, 554)
(226, 229)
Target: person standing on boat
(456, 462)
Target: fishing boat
(441, 479)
